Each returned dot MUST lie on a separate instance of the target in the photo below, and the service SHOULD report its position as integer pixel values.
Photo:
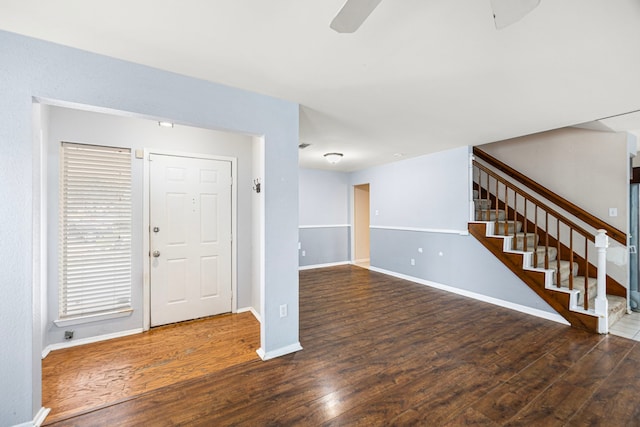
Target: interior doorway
(361, 222)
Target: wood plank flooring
(381, 351)
(83, 378)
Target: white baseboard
(37, 420)
(495, 301)
(82, 341)
(292, 348)
(331, 264)
(253, 311)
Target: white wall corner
(292, 348)
(253, 311)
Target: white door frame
(146, 281)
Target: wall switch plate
(283, 310)
(613, 212)
(420, 250)
(139, 154)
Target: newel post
(602, 306)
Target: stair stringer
(613, 286)
(540, 280)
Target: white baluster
(602, 306)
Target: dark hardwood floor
(383, 351)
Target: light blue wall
(423, 202)
(324, 233)
(453, 260)
(324, 245)
(324, 197)
(31, 68)
(423, 192)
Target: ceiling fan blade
(507, 12)
(353, 14)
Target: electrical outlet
(68, 335)
(413, 261)
(283, 310)
(613, 212)
(304, 253)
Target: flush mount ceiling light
(165, 124)
(333, 158)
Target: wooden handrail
(537, 202)
(617, 235)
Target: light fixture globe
(333, 158)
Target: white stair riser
(578, 284)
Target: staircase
(549, 252)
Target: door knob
(156, 254)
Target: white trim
(261, 162)
(146, 276)
(331, 264)
(324, 226)
(37, 420)
(495, 301)
(253, 311)
(93, 318)
(41, 416)
(292, 348)
(89, 340)
(422, 230)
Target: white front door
(190, 238)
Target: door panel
(190, 207)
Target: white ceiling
(419, 76)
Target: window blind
(95, 230)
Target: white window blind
(95, 230)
